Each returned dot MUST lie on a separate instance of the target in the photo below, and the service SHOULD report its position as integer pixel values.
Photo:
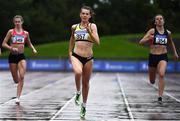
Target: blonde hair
(18, 16)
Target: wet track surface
(48, 96)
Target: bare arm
(172, 45)
(71, 42)
(92, 29)
(148, 36)
(30, 44)
(6, 39)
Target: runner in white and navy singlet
(159, 38)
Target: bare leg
(87, 70)
(152, 74)
(161, 71)
(22, 71)
(77, 68)
(14, 72)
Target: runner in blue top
(158, 37)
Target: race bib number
(81, 35)
(18, 39)
(161, 40)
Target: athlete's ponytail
(150, 24)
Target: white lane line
(166, 93)
(38, 90)
(125, 99)
(67, 103)
(58, 112)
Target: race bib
(18, 39)
(81, 35)
(161, 40)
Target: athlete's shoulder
(10, 30)
(169, 32)
(74, 26)
(151, 31)
(92, 24)
(26, 32)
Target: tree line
(51, 20)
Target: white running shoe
(17, 101)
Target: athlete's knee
(78, 72)
(15, 79)
(161, 75)
(21, 77)
(21, 82)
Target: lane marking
(38, 90)
(165, 92)
(67, 103)
(58, 112)
(125, 98)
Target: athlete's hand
(70, 54)
(14, 50)
(34, 51)
(88, 28)
(151, 37)
(176, 56)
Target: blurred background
(121, 24)
(48, 90)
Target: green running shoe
(83, 112)
(77, 99)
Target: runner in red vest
(17, 63)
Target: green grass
(176, 35)
(119, 47)
(49, 50)
(111, 47)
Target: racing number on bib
(161, 40)
(80, 36)
(18, 39)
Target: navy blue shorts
(16, 58)
(155, 59)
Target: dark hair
(157, 15)
(91, 12)
(151, 22)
